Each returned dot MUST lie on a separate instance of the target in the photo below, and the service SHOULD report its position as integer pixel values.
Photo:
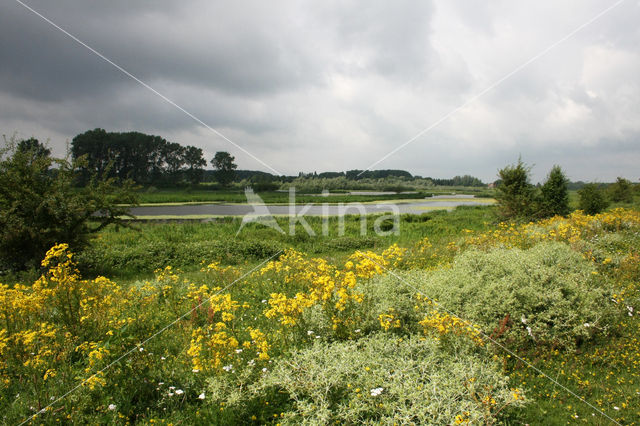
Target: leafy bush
(515, 194)
(40, 205)
(591, 199)
(547, 295)
(381, 379)
(555, 194)
(621, 191)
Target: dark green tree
(621, 191)
(515, 194)
(592, 200)
(195, 162)
(225, 168)
(555, 194)
(33, 146)
(40, 205)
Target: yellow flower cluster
(41, 323)
(389, 320)
(572, 229)
(444, 323)
(319, 283)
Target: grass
(129, 252)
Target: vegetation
(592, 199)
(40, 206)
(516, 194)
(143, 158)
(457, 319)
(338, 337)
(621, 191)
(555, 194)
(225, 168)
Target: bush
(555, 194)
(591, 199)
(515, 194)
(381, 379)
(40, 205)
(547, 295)
(621, 191)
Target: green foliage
(146, 159)
(555, 194)
(621, 191)
(547, 295)
(382, 379)
(515, 194)
(225, 167)
(592, 200)
(40, 206)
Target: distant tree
(555, 194)
(40, 205)
(592, 200)
(33, 146)
(515, 194)
(225, 168)
(195, 162)
(621, 191)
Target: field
(457, 319)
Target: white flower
(523, 319)
(586, 324)
(238, 351)
(201, 396)
(376, 391)
(112, 407)
(195, 370)
(172, 387)
(529, 331)
(309, 333)
(160, 383)
(616, 408)
(357, 331)
(162, 358)
(264, 370)
(141, 349)
(264, 300)
(179, 392)
(251, 363)
(170, 394)
(317, 337)
(228, 367)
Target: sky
(290, 86)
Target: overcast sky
(331, 86)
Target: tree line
(146, 159)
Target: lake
(319, 209)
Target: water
(415, 207)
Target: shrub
(547, 295)
(515, 194)
(555, 194)
(591, 199)
(40, 205)
(621, 191)
(381, 379)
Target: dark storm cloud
(335, 85)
